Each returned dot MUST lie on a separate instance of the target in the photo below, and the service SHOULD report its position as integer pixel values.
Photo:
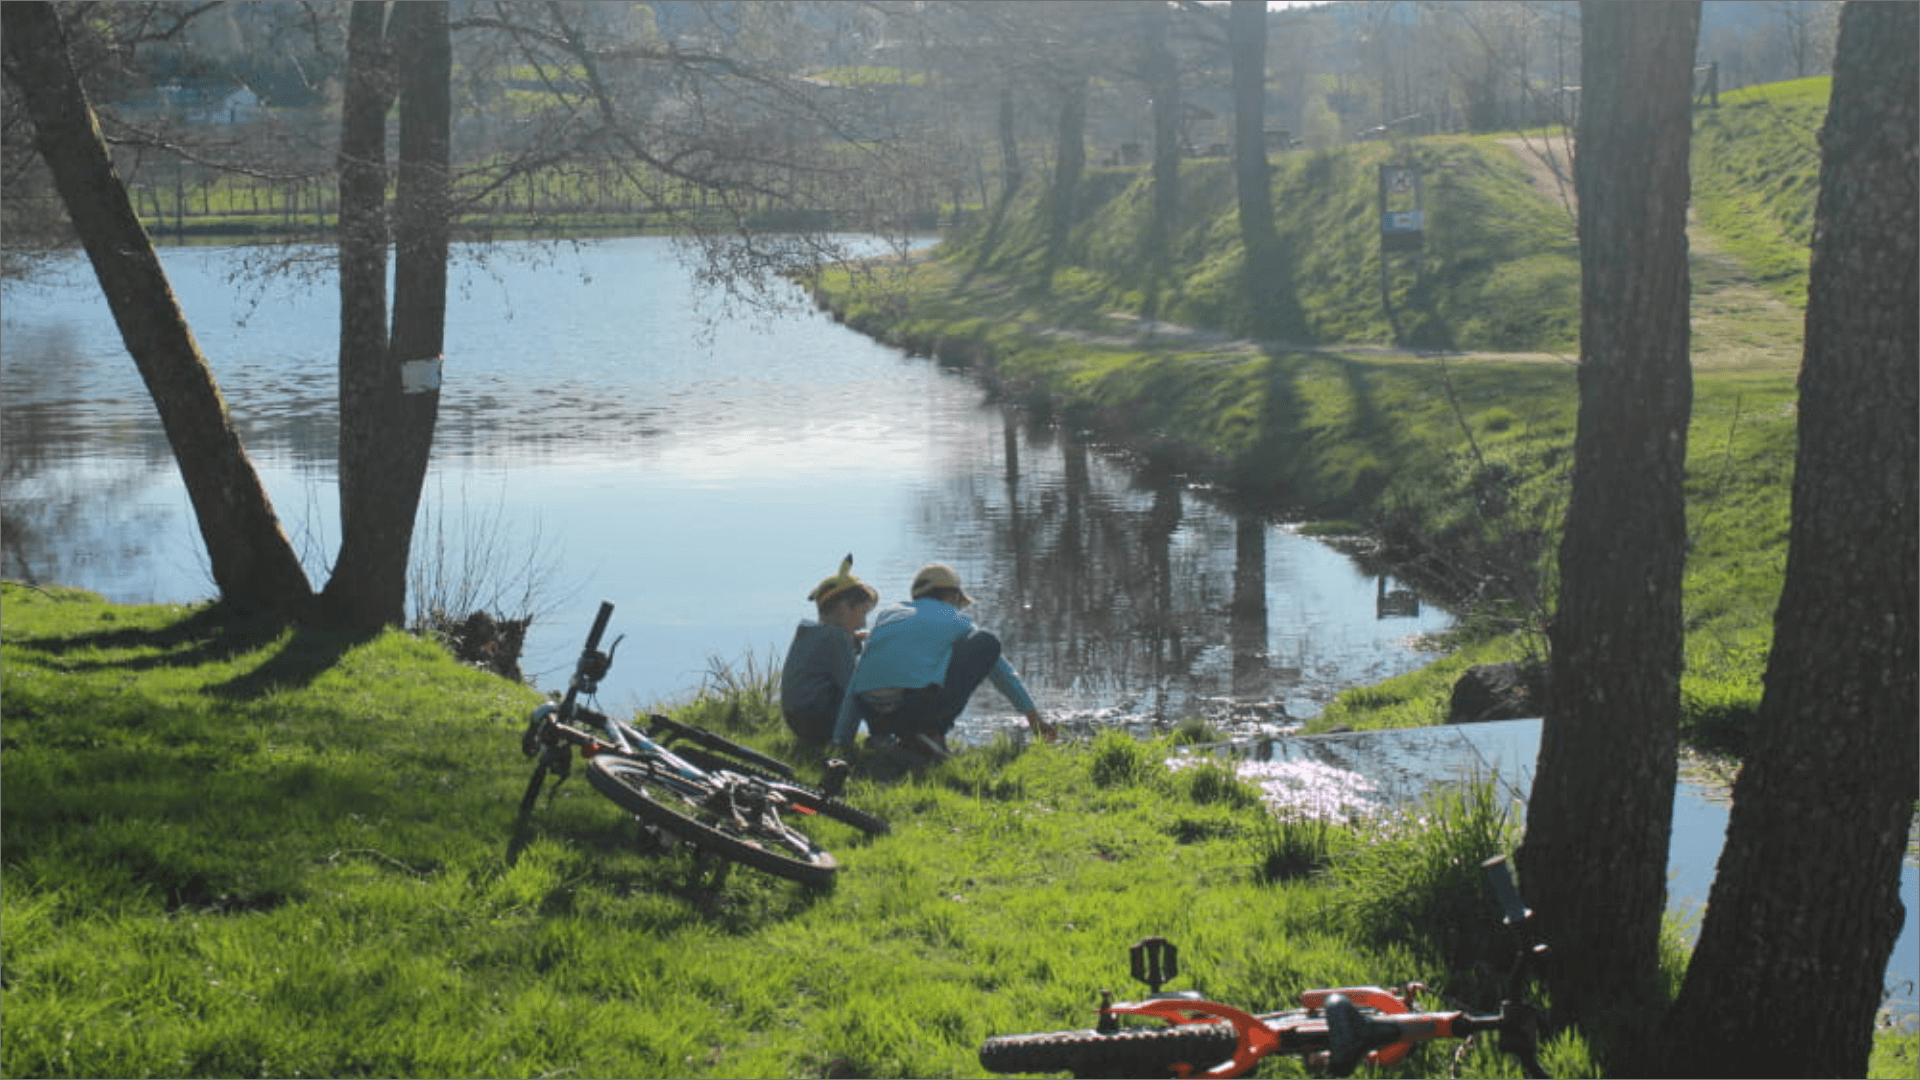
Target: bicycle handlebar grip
(1502, 880)
(599, 625)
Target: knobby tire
(1129, 1052)
(783, 852)
(800, 794)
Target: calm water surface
(597, 429)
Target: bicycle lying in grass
(721, 798)
(1334, 1029)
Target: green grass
(1756, 172)
(233, 850)
(236, 851)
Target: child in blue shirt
(922, 662)
(821, 660)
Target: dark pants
(931, 710)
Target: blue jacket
(909, 647)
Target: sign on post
(1402, 228)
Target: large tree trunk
(1599, 819)
(389, 387)
(1805, 906)
(253, 563)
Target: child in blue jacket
(921, 663)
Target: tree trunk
(1598, 823)
(1070, 161)
(253, 563)
(369, 383)
(1163, 84)
(389, 387)
(1805, 906)
(1252, 175)
(1009, 146)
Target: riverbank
(233, 848)
(236, 849)
(1449, 465)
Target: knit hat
(938, 576)
(841, 582)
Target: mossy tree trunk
(1805, 906)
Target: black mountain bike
(723, 799)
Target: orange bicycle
(1335, 1029)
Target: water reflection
(1140, 599)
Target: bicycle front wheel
(1132, 1052)
(809, 801)
(761, 842)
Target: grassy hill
(1436, 426)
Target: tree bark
(253, 563)
(1601, 813)
(389, 385)
(1805, 906)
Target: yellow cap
(937, 576)
(841, 582)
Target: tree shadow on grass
(309, 653)
(215, 634)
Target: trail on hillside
(1736, 323)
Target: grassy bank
(237, 851)
(1435, 426)
(231, 850)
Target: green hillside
(1756, 172)
(1501, 267)
(1311, 397)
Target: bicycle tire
(1129, 1052)
(820, 803)
(639, 790)
(808, 799)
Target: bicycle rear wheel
(1130, 1052)
(760, 842)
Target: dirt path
(1736, 323)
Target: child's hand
(1041, 728)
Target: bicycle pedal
(836, 778)
(1155, 961)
